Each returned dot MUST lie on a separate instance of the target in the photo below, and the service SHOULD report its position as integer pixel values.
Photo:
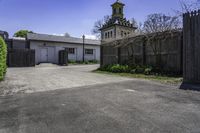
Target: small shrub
(86, 62)
(148, 71)
(3, 57)
(105, 68)
(133, 71)
(71, 62)
(116, 68)
(93, 61)
(157, 70)
(140, 69)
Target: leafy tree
(160, 23)
(22, 33)
(98, 25)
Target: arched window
(122, 33)
(120, 11)
(114, 11)
(111, 34)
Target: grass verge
(161, 79)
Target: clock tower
(117, 27)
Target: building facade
(4, 35)
(117, 27)
(47, 48)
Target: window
(111, 34)
(114, 11)
(120, 11)
(71, 50)
(122, 33)
(89, 51)
(106, 35)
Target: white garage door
(51, 55)
(44, 55)
(47, 55)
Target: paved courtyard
(47, 77)
(85, 102)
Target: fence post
(144, 53)
(101, 56)
(119, 55)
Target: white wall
(54, 48)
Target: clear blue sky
(73, 16)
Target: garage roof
(54, 38)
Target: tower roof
(118, 2)
(118, 21)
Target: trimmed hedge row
(3, 58)
(147, 70)
(127, 69)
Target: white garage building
(47, 48)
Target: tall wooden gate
(191, 47)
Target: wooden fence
(162, 50)
(191, 47)
(21, 58)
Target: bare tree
(138, 25)
(134, 22)
(139, 29)
(98, 25)
(187, 6)
(160, 23)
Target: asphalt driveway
(122, 106)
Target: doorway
(44, 55)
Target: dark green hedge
(3, 57)
(147, 70)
